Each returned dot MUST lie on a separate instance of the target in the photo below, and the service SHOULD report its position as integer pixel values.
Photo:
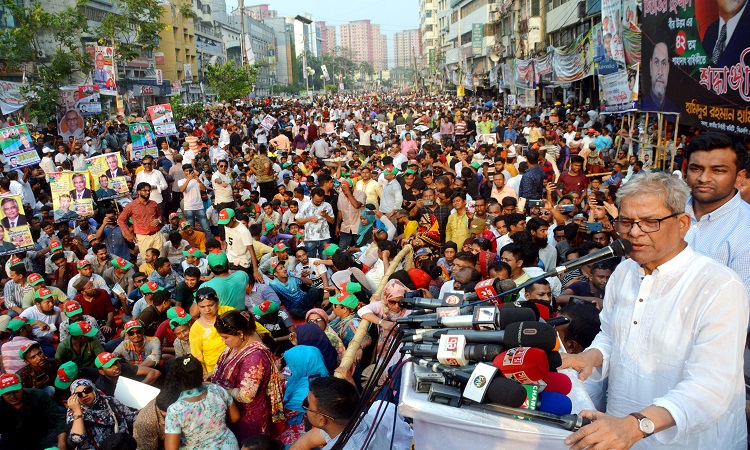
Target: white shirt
(52, 320)
(392, 197)
(96, 280)
(191, 195)
(675, 339)
(157, 182)
(238, 239)
(318, 229)
(223, 193)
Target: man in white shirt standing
(672, 335)
(392, 195)
(238, 244)
(192, 205)
(153, 178)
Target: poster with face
(162, 119)
(71, 195)
(88, 100)
(107, 176)
(17, 146)
(15, 235)
(104, 70)
(144, 142)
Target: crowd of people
(237, 271)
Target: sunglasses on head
(318, 320)
(134, 332)
(86, 391)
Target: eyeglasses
(134, 332)
(646, 225)
(307, 408)
(147, 164)
(318, 320)
(86, 391)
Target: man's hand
(38, 384)
(106, 329)
(258, 276)
(606, 432)
(583, 363)
(155, 222)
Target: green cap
(121, 263)
(193, 251)
(82, 328)
(10, 383)
(225, 216)
(218, 259)
(17, 323)
(66, 374)
(105, 360)
(178, 316)
(409, 172)
(476, 165)
(150, 287)
(280, 247)
(26, 348)
(350, 182)
(390, 171)
(266, 307)
(346, 299)
(352, 288)
(330, 249)
(269, 226)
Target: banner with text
(144, 143)
(71, 195)
(162, 119)
(18, 146)
(690, 70)
(107, 176)
(15, 234)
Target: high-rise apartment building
(364, 42)
(327, 36)
(407, 48)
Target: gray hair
(672, 192)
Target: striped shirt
(722, 235)
(14, 293)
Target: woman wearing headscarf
(93, 416)
(484, 259)
(384, 314)
(311, 334)
(303, 362)
(366, 223)
(319, 317)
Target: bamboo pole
(659, 157)
(645, 131)
(347, 361)
(674, 143)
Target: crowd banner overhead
(104, 70)
(107, 176)
(15, 234)
(71, 195)
(162, 119)
(686, 71)
(144, 143)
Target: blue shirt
(722, 235)
(532, 183)
(116, 244)
(290, 293)
(511, 134)
(168, 282)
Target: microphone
(618, 248)
(450, 372)
(505, 392)
(489, 318)
(569, 422)
(451, 299)
(517, 334)
(554, 403)
(555, 360)
(558, 321)
(489, 289)
(523, 364)
(454, 351)
(557, 382)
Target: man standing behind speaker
(672, 335)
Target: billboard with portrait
(107, 176)
(695, 65)
(88, 100)
(15, 234)
(104, 70)
(144, 142)
(72, 197)
(18, 147)
(162, 120)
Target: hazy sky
(391, 15)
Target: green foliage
(292, 89)
(23, 44)
(180, 110)
(140, 33)
(230, 82)
(187, 11)
(331, 88)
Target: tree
(23, 43)
(230, 82)
(141, 32)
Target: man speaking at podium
(672, 335)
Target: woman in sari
(303, 362)
(246, 370)
(427, 235)
(311, 334)
(93, 416)
(319, 317)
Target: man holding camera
(192, 205)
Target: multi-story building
(327, 36)
(364, 42)
(428, 28)
(407, 47)
(283, 49)
(260, 12)
(178, 58)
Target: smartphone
(40, 377)
(561, 186)
(568, 208)
(539, 203)
(594, 226)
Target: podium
(440, 427)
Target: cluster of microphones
(489, 351)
